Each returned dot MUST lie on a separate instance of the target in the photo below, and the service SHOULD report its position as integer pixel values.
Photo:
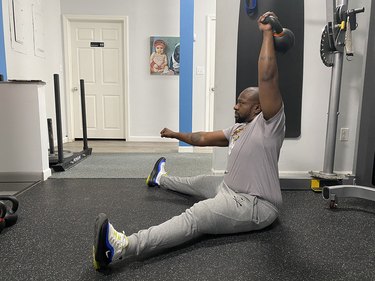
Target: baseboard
(194, 149)
(199, 149)
(218, 172)
(294, 175)
(47, 173)
(21, 176)
(150, 139)
(185, 149)
(306, 175)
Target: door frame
(67, 19)
(209, 124)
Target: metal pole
(333, 112)
(83, 107)
(60, 148)
(330, 10)
(50, 136)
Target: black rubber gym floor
(53, 237)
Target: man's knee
(205, 220)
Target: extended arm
(216, 138)
(268, 76)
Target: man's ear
(258, 108)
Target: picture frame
(164, 55)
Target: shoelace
(118, 241)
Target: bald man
(246, 198)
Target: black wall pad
(53, 237)
(290, 64)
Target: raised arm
(268, 76)
(216, 138)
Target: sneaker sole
(100, 233)
(151, 178)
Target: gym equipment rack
(63, 162)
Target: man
(247, 198)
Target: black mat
(53, 238)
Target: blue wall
(3, 68)
(186, 65)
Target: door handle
(75, 89)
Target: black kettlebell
(3, 211)
(10, 213)
(283, 37)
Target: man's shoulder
(279, 115)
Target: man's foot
(156, 173)
(109, 245)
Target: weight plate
(326, 52)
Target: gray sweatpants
(222, 211)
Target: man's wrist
(268, 32)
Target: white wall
(225, 72)
(153, 100)
(26, 65)
(307, 152)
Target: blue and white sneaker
(109, 245)
(156, 173)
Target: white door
(97, 58)
(210, 80)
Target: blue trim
(186, 66)
(3, 66)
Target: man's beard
(239, 119)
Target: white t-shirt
(254, 150)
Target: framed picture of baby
(164, 55)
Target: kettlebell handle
(13, 200)
(3, 210)
(275, 23)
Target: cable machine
(336, 41)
